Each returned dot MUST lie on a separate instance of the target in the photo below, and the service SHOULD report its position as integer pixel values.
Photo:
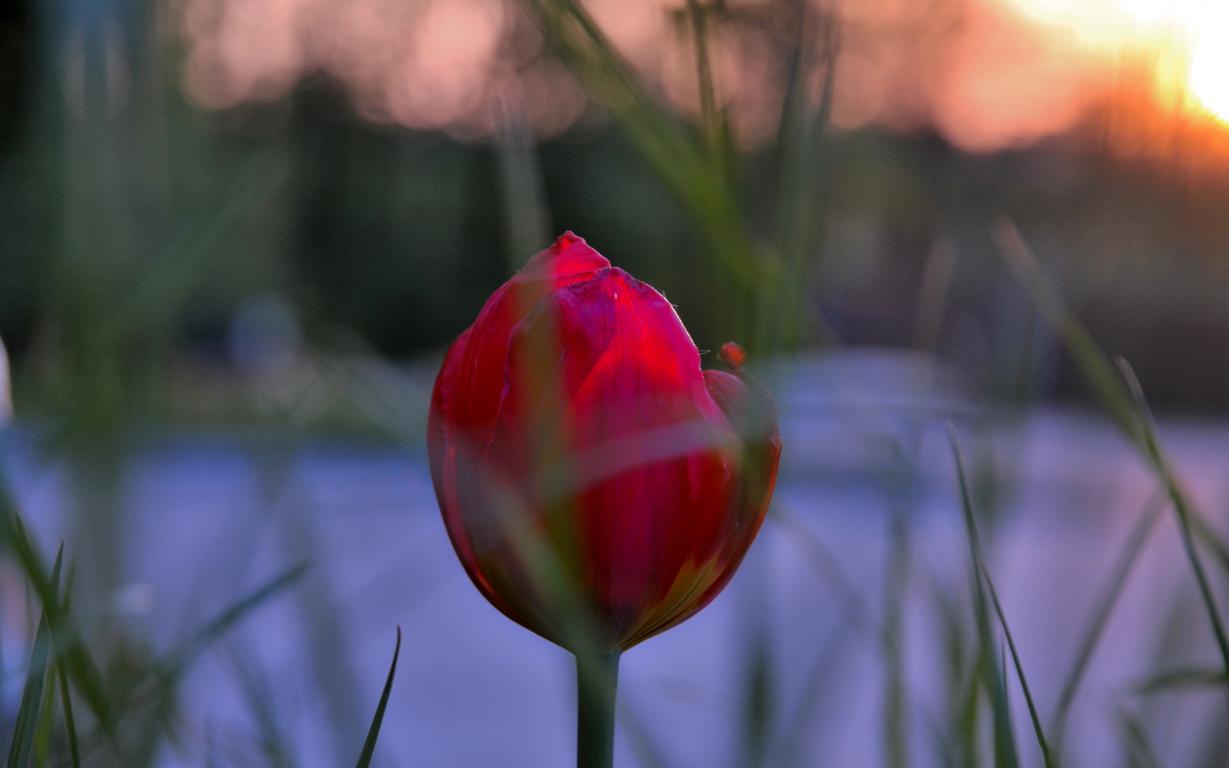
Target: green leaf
(222, 623)
(1122, 398)
(789, 747)
(1182, 505)
(1193, 677)
(42, 731)
(1046, 755)
(1102, 609)
(70, 722)
(30, 710)
(892, 644)
(800, 134)
(373, 733)
(257, 693)
(69, 650)
(686, 168)
(710, 116)
(175, 662)
(1140, 752)
(1005, 755)
(757, 711)
(527, 224)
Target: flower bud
(598, 486)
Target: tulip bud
(588, 471)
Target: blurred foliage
(167, 220)
(255, 266)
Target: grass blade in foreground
(66, 702)
(1182, 506)
(1123, 400)
(1140, 753)
(258, 695)
(70, 723)
(369, 746)
(69, 650)
(222, 623)
(41, 748)
(1100, 616)
(1184, 678)
(173, 665)
(1005, 755)
(1046, 755)
(31, 710)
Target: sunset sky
(987, 74)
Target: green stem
(597, 679)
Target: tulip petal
(567, 261)
(581, 458)
(749, 409)
(631, 427)
(464, 410)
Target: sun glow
(1186, 40)
(1209, 72)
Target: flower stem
(597, 679)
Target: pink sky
(985, 73)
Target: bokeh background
(236, 235)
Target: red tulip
(585, 465)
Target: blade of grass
(968, 716)
(895, 715)
(933, 291)
(1103, 608)
(69, 647)
(1193, 677)
(953, 642)
(1122, 398)
(801, 131)
(1140, 752)
(369, 746)
(526, 216)
(758, 696)
(257, 695)
(1182, 505)
(4, 715)
(852, 604)
(161, 292)
(893, 639)
(790, 747)
(644, 745)
(1005, 754)
(1046, 755)
(1094, 366)
(174, 663)
(31, 697)
(42, 731)
(178, 659)
(1211, 539)
(710, 118)
(30, 710)
(70, 722)
(683, 166)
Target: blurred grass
(1123, 400)
(1046, 755)
(1107, 597)
(373, 734)
(116, 315)
(1005, 755)
(128, 713)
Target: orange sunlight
(986, 74)
(1187, 40)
